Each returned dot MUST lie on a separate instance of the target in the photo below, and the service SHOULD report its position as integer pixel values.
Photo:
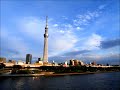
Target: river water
(101, 81)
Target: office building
(28, 58)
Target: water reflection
(35, 78)
(19, 82)
(104, 81)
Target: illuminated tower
(45, 52)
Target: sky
(87, 30)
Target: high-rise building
(45, 52)
(28, 58)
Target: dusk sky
(87, 30)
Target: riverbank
(54, 74)
(63, 74)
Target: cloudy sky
(87, 30)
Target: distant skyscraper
(28, 58)
(45, 52)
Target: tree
(2, 65)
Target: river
(101, 81)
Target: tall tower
(45, 52)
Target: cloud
(9, 51)
(12, 45)
(64, 17)
(85, 19)
(63, 41)
(86, 45)
(59, 43)
(87, 57)
(110, 43)
(74, 53)
(102, 6)
(91, 42)
(79, 28)
(99, 58)
(61, 31)
(61, 38)
(111, 59)
(55, 25)
(32, 27)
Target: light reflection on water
(35, 78)
(103, 81)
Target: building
(39, 59)
(40, 62)
(28, 58)
(76, 62)
(81, 63)
(93, 63)
(45, 51)
(65, 64)
(12, 61)
(20, 62)
(72, 62)
(2, 60)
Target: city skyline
(86, 30)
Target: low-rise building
(2, 60)
(72, 62)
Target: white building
(20, 62)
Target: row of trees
(60, 69)
(2, 65)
